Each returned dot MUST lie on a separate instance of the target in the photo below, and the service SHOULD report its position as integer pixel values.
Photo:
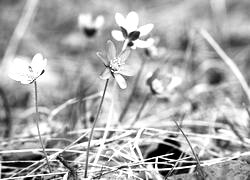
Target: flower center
(115, 65)
(89, 32)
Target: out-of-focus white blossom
(26, 72)
(130, 32)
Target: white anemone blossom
(130, 32)
(25, 72)
(88, 25)
(115, 65)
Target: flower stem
(141, 109)
(127, 105)
(92, 129)
(125, 44)
(38, 129)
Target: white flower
(115, 66)
(130, 31)
(161, 82)
(26, 72)
(88, 25)
(154, 51)
(157, 86)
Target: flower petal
(38, 64)
(142, 44)
(174, 83)
(27, 80)
(106, 74)
(157, 86)
(84, 20)
(18, 76)
(111, 50)
(102, 58)
(117, 35)
(120, 20)
(132, 21)
(120, 81)
(133, 47)
(127, 70)
(124, 55)
(144, 30)
(99, 21)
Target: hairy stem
(38, 129)
(92, 129)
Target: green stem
(38, 129)
(128, 103)
(92, 129)
(138, 115)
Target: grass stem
(200, 171)
(138, 115)
(229, 62)
(38, 129)
(92, 129)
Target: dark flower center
(89, 32)
(130, 44)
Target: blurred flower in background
(88, 25)
(115, 65)
(161, 83)
(130, 33)
(154, 51)
(26, 73)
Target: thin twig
(38, 129)
(200, 171)
(230, 63)
(174, 166)
(69, 102)
(69, 167)
(92, 129)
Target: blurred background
(73, 67)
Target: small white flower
(88, 25)
(115, 65)
(155, 51)
(131, 32)
(26, 72)
(160, 82)
(157, 86)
